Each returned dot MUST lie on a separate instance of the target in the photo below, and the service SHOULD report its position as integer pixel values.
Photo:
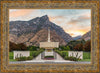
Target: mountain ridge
(28, 29)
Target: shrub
(36, 53)
(67, 48)
(49, 57)
(30, 58)
(56, 48)
(32, 48)
(71, 58)
(63, 54)
(21, 58)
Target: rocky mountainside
(87, 36)
(34, 31)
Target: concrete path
(38, 57)
(58, 57)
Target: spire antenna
(49, 34)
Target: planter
(48, 58)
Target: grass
(88, 60)
(11, 56)
(86, 55)
(12, 60)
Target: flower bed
(49, 58)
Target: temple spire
(48, 34)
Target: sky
(74, 21)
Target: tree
(13, 46)
(63, 54)
(33, 48)
(22, 46)
(79, 47)
(67, 48)
(73, 43)
(61, 47)
(56, 48)
(87, 46)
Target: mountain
(87, 36)
(77, 37)
(35, 30)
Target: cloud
(83, 17)
(73, 21)
(80, 18)
(77, 30)
(58, 19)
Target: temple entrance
(49, 50)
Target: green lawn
(86, 56)
(12, 60)
(11, 56)
(88, 60)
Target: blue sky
(73, 21)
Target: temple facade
(49, 45)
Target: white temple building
(49, 45)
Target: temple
(49, 45)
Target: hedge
(23, 58)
